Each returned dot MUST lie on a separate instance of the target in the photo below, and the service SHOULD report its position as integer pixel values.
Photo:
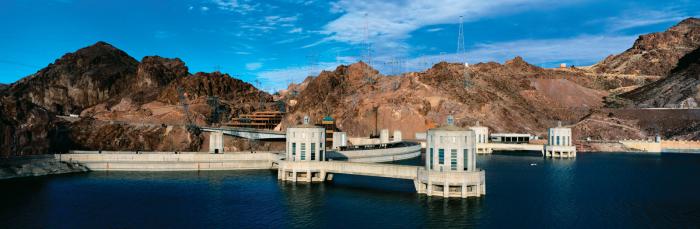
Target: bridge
(433, 183)
(249, 133)
(484, 148)
(317, 171)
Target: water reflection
(591, 191)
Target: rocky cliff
(78, 80)
(123, 104)
(681, 88)
(655, 53)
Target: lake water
(593, 190)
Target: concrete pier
(490, 147)
(451, 183)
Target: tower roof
(450, 125)
(306, 123)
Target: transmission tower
(258, 85)
(213, 102)
(185, 106)
(367, 52)
(461, 53)
(311, 63)
(460, 40)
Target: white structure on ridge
(384, 136)
(216, 142)
(482, 138)
(559, 143)
(397, 136)
(305, 142)
(339, 139)
(450, 163)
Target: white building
(450, 163)
(384, 136)
(450, 148)
(559, 143)
(216, 142)
(305, 142)
(397, 136)
(482, 138)
(339, 139)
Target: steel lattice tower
(460, 40)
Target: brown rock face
(512, 97)
(235, 96)
(681, 88)
(153, 74)
(25, 128)
(78, 80)
(656, 53)
(119, 102)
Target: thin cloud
(236, 6)
(253, 66)
(640, 18)
(579, 50)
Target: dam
(449, 169)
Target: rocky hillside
(656, 53)
(79, 80)
(514, 96)
(123, 104)
(681, 88)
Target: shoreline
(37, 165)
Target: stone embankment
(38, 165)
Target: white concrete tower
(450, 148)
(305, 142)
(559, 143)
(450, 164)
(482, 138)
(216, 142)
(397, 136)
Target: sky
(273, 43)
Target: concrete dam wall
(160, 161)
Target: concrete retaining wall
(377, 155)
(170, 162)
(658, 147)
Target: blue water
(591, 191)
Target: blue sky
(275, 42)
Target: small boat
(533, 164)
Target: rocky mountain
(510, 97)
(3, 87)
(681, 88)
(656, 53)
(79, 80)
(122, 104)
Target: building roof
(450, 126)
(306, 124)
